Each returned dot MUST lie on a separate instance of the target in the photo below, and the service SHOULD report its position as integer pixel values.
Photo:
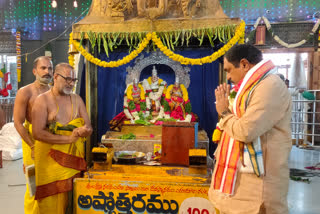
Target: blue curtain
(204, 80)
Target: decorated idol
(155, 88)
(134, 101)
(177, 104)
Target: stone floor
(303, 198)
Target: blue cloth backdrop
(204, 80)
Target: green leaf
(176, 37)
(166, 34)
(163, 39)
(127, 39)
(166, 106)
(143, 106)
(182, 37)
(210, 35)
(110, 43)
(99, 41)
(120, 40)
(4, 70)
(67, 128)
(171, 38)
(202, 32)
(82, 34)
(188, 108)
(105, 44)
(92, 39)
(189, 34)
(131, 105)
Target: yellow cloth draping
(30, 204)
(56, 165)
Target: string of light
(26, 54)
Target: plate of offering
(129, 157)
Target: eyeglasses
(68, 79)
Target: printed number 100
(197, 211)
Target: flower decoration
(238, 37)
(142, 92)
(7, 87)
(18, 50)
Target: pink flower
(158, 123)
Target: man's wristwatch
(225, 113)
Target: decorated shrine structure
(151, 68)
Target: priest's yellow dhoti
(30, 204)
(56, 165)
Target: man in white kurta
(267, 117)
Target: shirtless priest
(42, 69)
(60, 125)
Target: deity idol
(134, 105)
(177, 104)
(155, 87)
(134, 101)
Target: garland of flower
(185, 97)
(150, 80)
(238, 37)
(277, 39)
(185, 94)
(142, 93)
(71, 56)
(18, 50)
(117, 63)
(168, 93)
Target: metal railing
(7, 104)
(305, 120)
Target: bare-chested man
(60, 125)
(42, 69)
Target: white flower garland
(280, 41)
(156, 95)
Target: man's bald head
(36, 61)
(62, 67)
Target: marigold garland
(142, 93)
(185, 94)
(150, 80)
(168, 93)
(238, 37)
(117, 63)
(18, 50)
(71, 56)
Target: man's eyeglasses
(68, 79)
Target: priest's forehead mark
(68, 72)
